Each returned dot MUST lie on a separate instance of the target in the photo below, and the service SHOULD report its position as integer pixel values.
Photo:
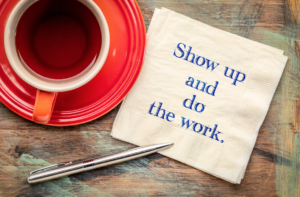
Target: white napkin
(184, 95)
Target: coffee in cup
(55, 46)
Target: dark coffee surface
(58, 39)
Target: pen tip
(165, 145)
(28, 180)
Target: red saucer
(106, 90)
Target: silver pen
(68, 168)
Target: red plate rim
(92, 112)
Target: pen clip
(51, 167)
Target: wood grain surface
(274, 167)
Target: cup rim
(46, 85)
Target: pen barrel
(56, 173)
(123, 156)
(96, 163)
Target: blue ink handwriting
(202, 86)
(187, 55)
(198, 107)
(237, 77)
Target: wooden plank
(288, 176)
(152, 175)
(273, 168)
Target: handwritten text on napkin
(156, 109)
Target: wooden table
(274, 167)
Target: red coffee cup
(48, 88)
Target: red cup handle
(43, 107)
